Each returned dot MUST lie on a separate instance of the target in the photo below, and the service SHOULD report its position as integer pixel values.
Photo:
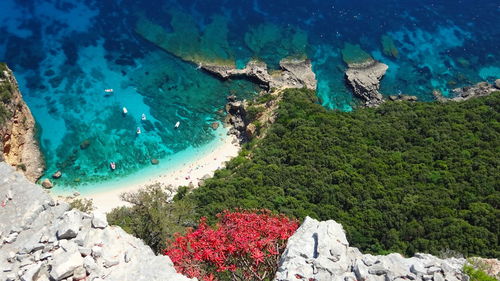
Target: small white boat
(177, 124)
(143, 117)
(108, 90)
(125, 111)
(138, 131)
(112, 165)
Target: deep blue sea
(65, 53)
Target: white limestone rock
(34, 222)
(65, 264)
(320, 251)
(99, 220)
(70, 225)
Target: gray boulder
(64, 265)
(41, 240)
(320, 251)
(70, 225)
(99, 220)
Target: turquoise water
(65, 53)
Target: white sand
(189, 172)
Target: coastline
(184, 168)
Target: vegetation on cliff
(152, 216)
(5, 95)
(404, 177)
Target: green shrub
(253, 112)
(4, 114)
(22, 166)
(82, 204)
(153, 216)
(477, 274)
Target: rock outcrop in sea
(364, 78)
(465, 93)
(18, 144)
(294, 73)
(320, 251)
(41, 240)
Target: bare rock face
(364, 78)
(461, 94)
(320, 251)
(43, 240)
(403, 98)
(18, 144)
(294, 73)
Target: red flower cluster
(244, 245)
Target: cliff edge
(18, 144)
(43, 240)
(320, 251)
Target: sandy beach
(187, 172)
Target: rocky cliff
(320, 251)
(42, 240)
(18, 144)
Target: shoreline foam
(184, 168)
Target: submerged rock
(85, 144)
(388, 47)
(214, 125)
(155, 161)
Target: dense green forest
(404, 177)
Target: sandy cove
(190, 172)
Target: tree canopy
(405, 177)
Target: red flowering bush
(244, 245)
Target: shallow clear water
(65, 53)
